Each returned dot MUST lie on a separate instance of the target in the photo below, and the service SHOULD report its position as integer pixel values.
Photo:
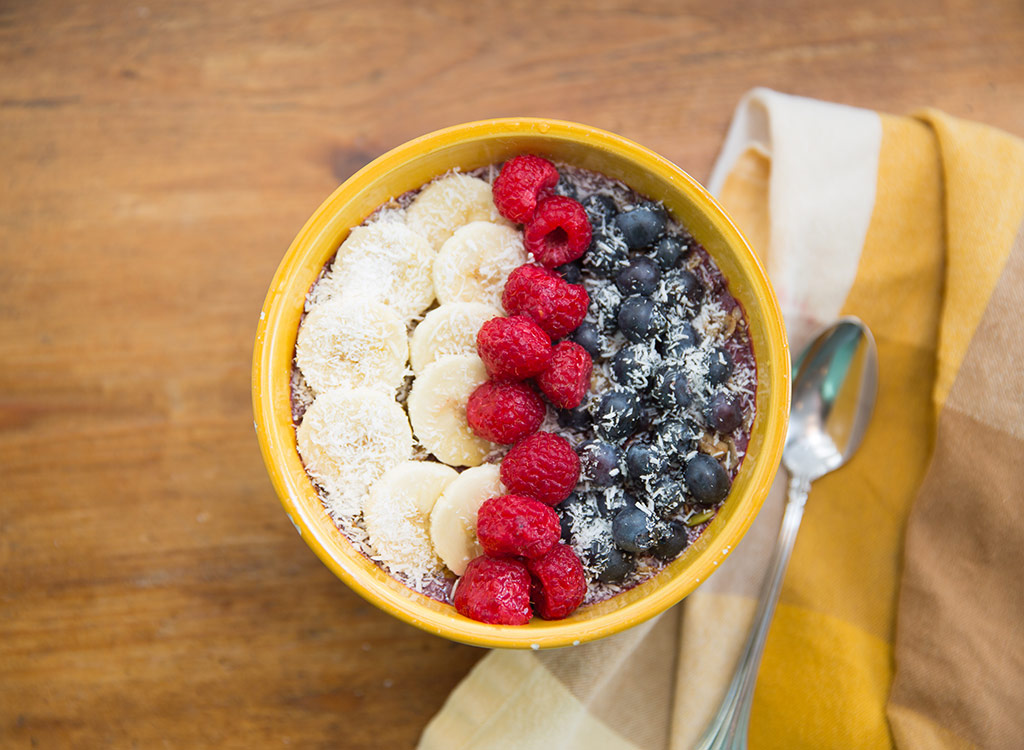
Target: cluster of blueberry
(642, 469)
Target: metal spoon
(834, 385)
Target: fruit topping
(640, 319)
(599, 462)
(633, 529)
(559, 231)
(724, 412)
(543, 466)
(670, 389)
(557, 306)
(514, 347)
(571, 272)
(494, 590)
(517, 526)
(574, 419)
(643, 462)
(642, 225)
(567, 378)
(504, 411)
(640, 276)
(611, 563)
(666, 494)
(668, 251)
(618, 414)
(719, 366)
(673, 541)
(559, 584)
(633, 366)
(706, 480)
(520, 184)
(587, 336)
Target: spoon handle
(728, 730)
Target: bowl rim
(275, 437)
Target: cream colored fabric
(914, 225)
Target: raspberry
(513, 347)
(494, 591)
(504, 411)
(517, 526)
(558, 583)
(567, 378)
(543, 466)
(559, 231)
(554, 304)
(520, 184)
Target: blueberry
(719, 366)
(574, 506)
(678, 340)
(599, 462)
(587, 336)
(566, 187)
(600, 209)
(706, 480)
(611, 500)
(681, 288)
(674, 438)
(571, 272)
(611, 563)
(605, 301)
(673, 541)
(607, 253)
(668, 251)
(669, 388)
(666, 494)
(617, 415)
(640, 276)
(574, 419)
(639, 318)
(633, 366)
(643, 462)
(633, 529)
(724, 412)
(642, 225)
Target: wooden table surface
(156, 158)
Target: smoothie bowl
(521, 383)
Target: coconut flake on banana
(437, 409)
(354, 344)
(446, 330)
(453, 518)
(475, 261)
(448, 203)
(348, 438)
(385, 262)
(397, 516)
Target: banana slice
(383, 262)
(453, 519)
(352, 344)
(448, 329)
(348, 438)
(447, 204)
(474, 263)
(397, 516)
(437, 408)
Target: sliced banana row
(447, 204)
(453, 518)
(446, 330)
(397, 515)
(348, 438)
(354, 344)
(385, 262)
(474, 262)
(437, 409)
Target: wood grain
(155, 161)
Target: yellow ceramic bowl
(467, 147)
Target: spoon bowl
(835, 381)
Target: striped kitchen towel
(901, 621)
